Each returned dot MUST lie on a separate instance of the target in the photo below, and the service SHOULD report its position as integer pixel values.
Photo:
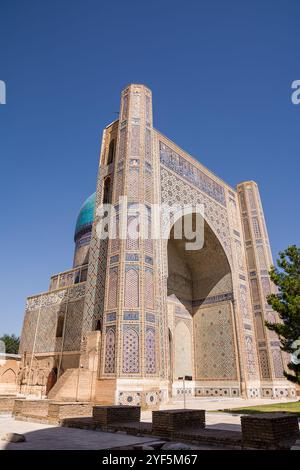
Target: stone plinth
(269, 430)
(34, 408)
(107, 415)
(62, 410)
(168, 422)
(49, 411)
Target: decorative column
(259, 261)
(131, 323)
(242, 307)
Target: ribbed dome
(86, 216)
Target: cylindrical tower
(132, 330)
(259, 261)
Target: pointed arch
(111, 152)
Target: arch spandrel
(175, 191)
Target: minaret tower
(259, 261)
(124, 285)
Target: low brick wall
(167, 422)
(211, 437)
(107, 415)
(37, 408)
(269, 431)
(18, 404)
(7, 404)
(62, 410)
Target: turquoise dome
(86, 216)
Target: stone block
(269, 431)
(6, 404)
(61, 410)
(34, 408)
(168, 422)
(107, 415)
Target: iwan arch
(201, 321)
(132, 316)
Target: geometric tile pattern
(131, 295)
(278, 364)
(110, 339)
(149, 294)
(130, 398)
(214, 343)
(174, 190)
(42, 313)
(150, 351)
(191, 173)
(251, 362)
(130, 350)
(113, 285)
(243, 301)
(96, 277)
(264, 364)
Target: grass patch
(291, 407)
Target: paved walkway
(220, 403)
(216, 420)
(44, 436)
(48, 437)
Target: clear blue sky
(220, 72)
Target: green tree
(287, 303)
(11, 342)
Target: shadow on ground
(61, 438)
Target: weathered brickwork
(269, 431)
(106, 415)
(59, 411)
(37, 408)
(166, 423)
(7, 404)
